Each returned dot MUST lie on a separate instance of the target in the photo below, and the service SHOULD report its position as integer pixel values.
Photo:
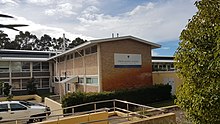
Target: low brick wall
(55, 107)
(168, 118)
(37, 98)
(80, 119)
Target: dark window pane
(25, 66)
(16, 107)
(94, 49)
(45, 82)
(3, 107)
(45, 66)
(36, 66)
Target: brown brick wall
(121, 78)
(89, 88)
(75, 66)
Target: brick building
(104, 65)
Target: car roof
(5, 102)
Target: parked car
(22, 109)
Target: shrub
(143, 96)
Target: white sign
(127, 60)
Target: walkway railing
(129, 108)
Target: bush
(143, 96)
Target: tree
(31, 86)
(198, 64)
(3, 39)
(44, 44)
(6, 88)
(76, 42)
(25, 40)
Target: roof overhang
(153, 45)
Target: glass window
(92, 80)
(16, 107)
(37, 82)
(25, 66)
(3, 107)
(36, 66)
(45, 82)
(88, 50)
(4, 66)
(79, 53)
(45, 66)
(24, 83)
(94, 49)
(68, 87)
(71, 56)
(16, 84)
(81, 80)
(16, 66)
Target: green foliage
(143, 95)
(7, 89)
(27, 41)
(198, 64)
(31, 86)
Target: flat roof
(153, 45)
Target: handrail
(114, 108)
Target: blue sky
(159, 21)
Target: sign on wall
(127, 60)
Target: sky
(158, 21)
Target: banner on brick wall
(127, 60)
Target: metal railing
(129, 108)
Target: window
(92, 81)
(45, 66)
(81, 80)
(36, 66)
(68, 87)
(68, 57)
(4, 66)
(88, 50)
(79, 53)
(45, 82)
(62, 58)
(37, 82)
(25, 66)
(16, 66)
(24, 83)
(16, 84)
(3, 107)
(16, 107)
(94, 49)
(71, 56)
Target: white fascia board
(166, 61)
(21, 59)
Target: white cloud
(63, 9)
(154, 21)
(165, 48)
(142, 8)
(40, 2)
(38, 29)
(154, 53)
(9, 2)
